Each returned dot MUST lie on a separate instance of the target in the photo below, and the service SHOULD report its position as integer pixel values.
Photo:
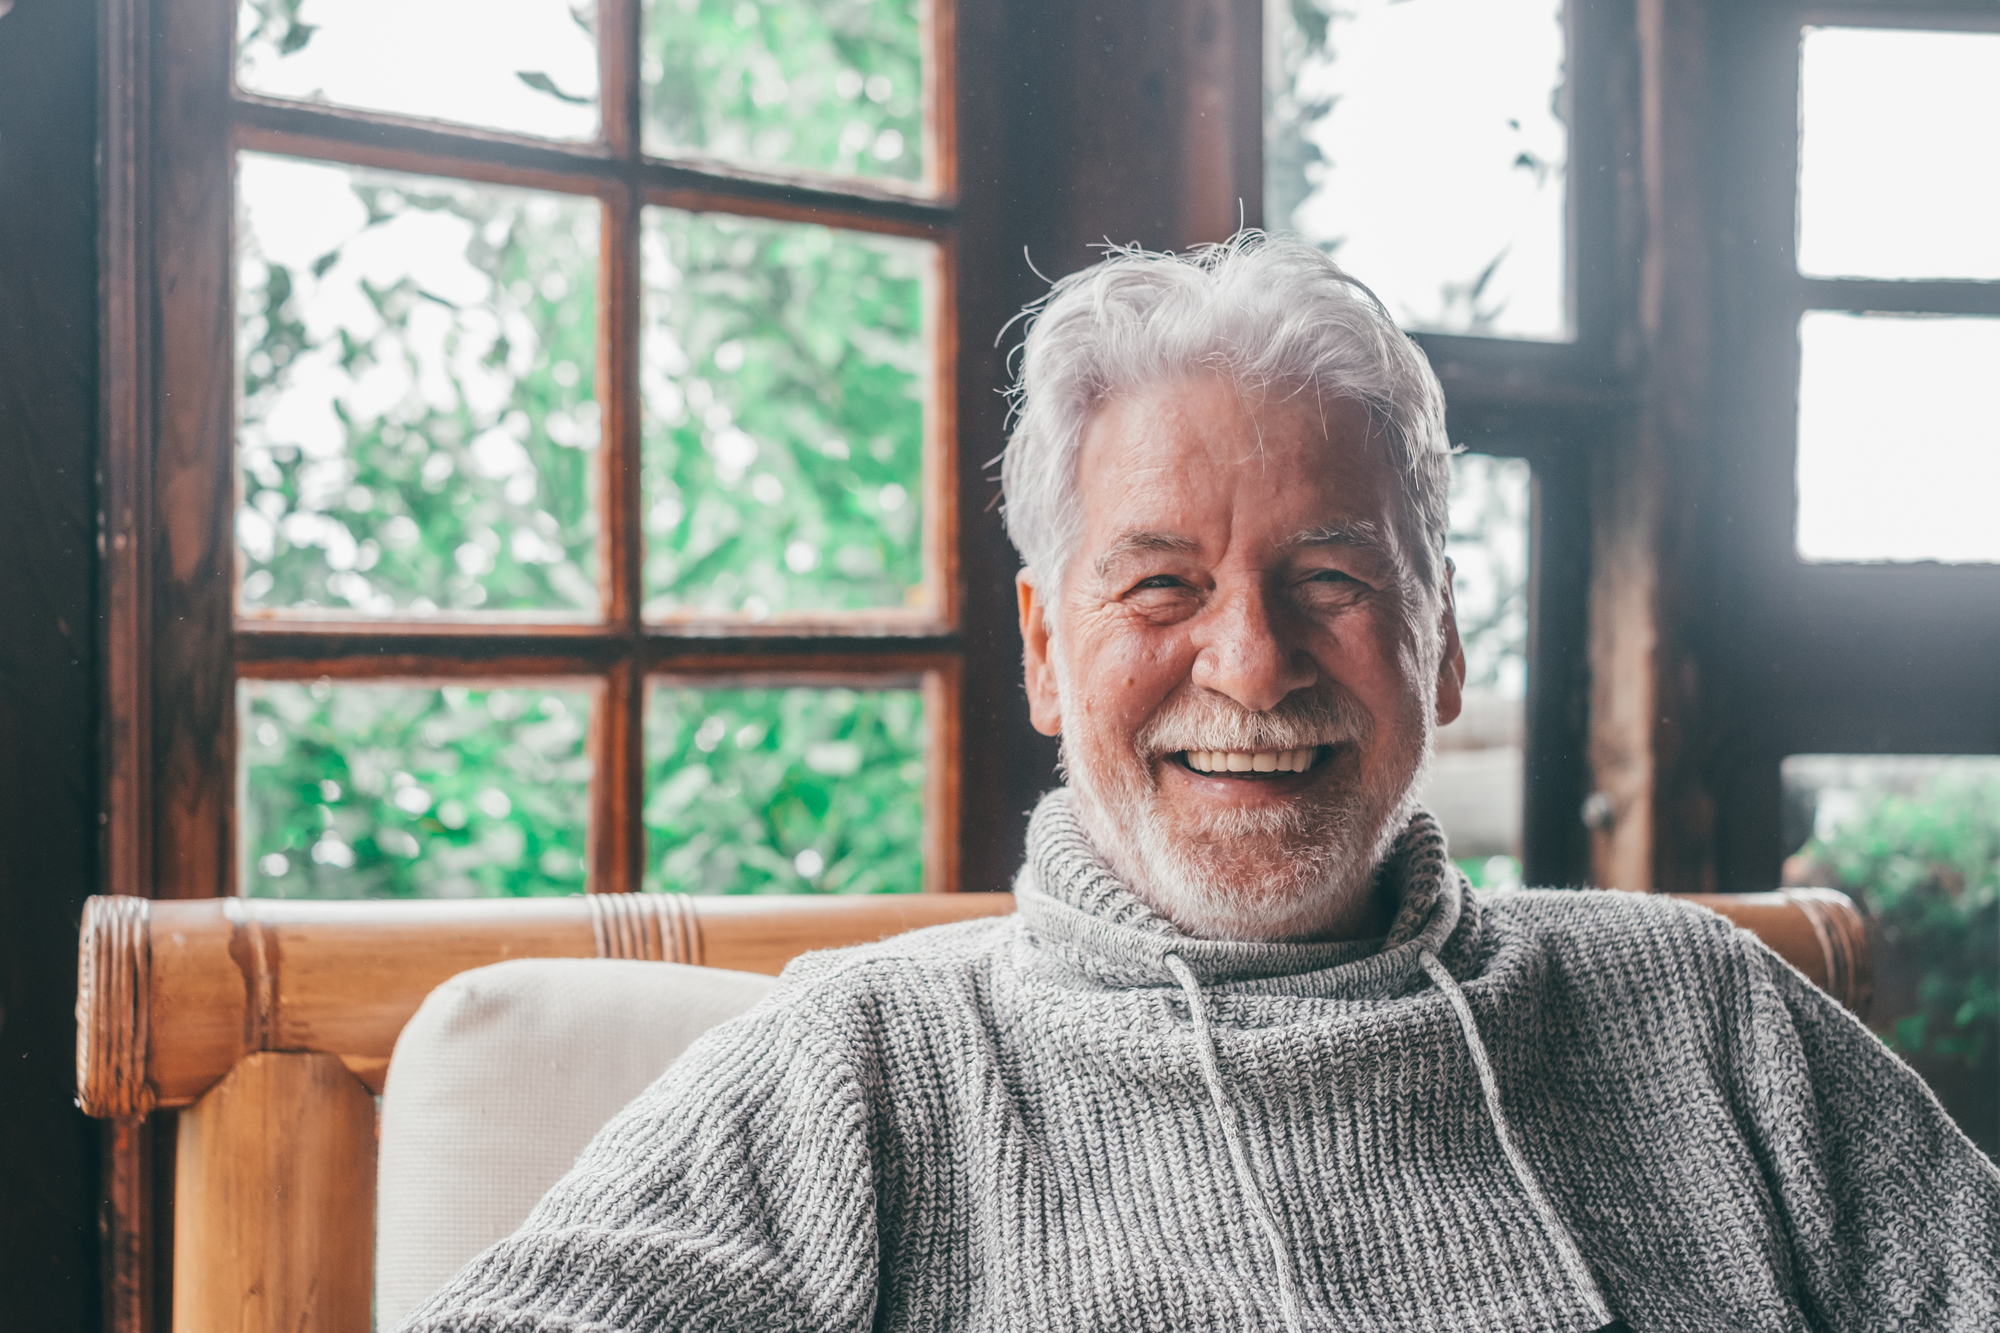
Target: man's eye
(1332, 576)
(1157, 581)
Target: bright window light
(1899, 154)
(1423, 145)
(1899, 438)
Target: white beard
(1285, 872)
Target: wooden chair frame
(272, 1023)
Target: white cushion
(498, 1082)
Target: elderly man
(1250, 1054)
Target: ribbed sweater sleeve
(1893, 1215)
(735, 1193)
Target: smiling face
(1244, 670)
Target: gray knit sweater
(1528, 1110)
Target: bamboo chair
(271, 1024)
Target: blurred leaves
(784, 791)
(542, 83)
(273, 21)
(784, 369)
(828, 85)
(392, 791)
(1488, 541)
(418, 420)
(418, 435)
(1927, 864)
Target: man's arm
(736, 1192)
(1894, 1215)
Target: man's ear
(1044, 706)
(1451, 662)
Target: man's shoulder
(1635, 969)
(1596, 922)
(1610, 909)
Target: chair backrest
(273, 1022)
(500, 1079)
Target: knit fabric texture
(1524, 1110)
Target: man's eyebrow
(1143, 543)
(1359, 534)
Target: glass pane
(418, 431)
(1916, 839)
(1424, 146)
(785, 370)
(1474, 787)
(1899, 438)
(412, 791)
(1899, 154)
(784, 791)
(828, 85)
(526, 66)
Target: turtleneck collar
(1089, 929)
(1088, 924)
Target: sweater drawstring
(1545, 1213)
(1289, 1304)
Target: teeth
(1243, 761)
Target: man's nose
(1245, 653)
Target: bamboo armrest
(172, 994)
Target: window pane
(411, 791)
(418, 430)
(828, 85)
(784, 790)
(527, 66)
(1424, 146)
(1899, 154)
(785, 370)
(1916, 838)
(1474, 786)
(1899, 438)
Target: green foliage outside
(1490, 872)
(396, 791)
(418, 421)
(274, 24)
(784, 791)
(828, 85)
(784, 373)
(1927, 864)
(1487, 541)
(419, 436)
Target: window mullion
(618, 397)
(617, 839)
(618, 75)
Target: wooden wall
(48, 659)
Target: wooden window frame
(1822, 658)
(1554, 404)
(175, 125)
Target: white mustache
(1200, 720)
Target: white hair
(1268, 314)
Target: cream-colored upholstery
(500, 1079)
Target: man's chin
(1291, 869)
(1244, 874)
